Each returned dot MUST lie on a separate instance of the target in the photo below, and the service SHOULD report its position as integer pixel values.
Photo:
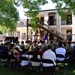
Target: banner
(46, 36)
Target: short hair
(60, 44)
(22, 42)
(49, 47)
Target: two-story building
(56, 24)
(51, 20)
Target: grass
(67, 70)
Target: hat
(27, 41)
(41, 41)
(34, 41)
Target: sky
(50, 5)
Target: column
(46, 22)
(58, 23)
(73, 27)
(46, 19)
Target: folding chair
(30, 54)
(24, 60)
(60, 59)
(35, 64)
(48, 66)
(4, 61)
(13, 62)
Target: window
(51, 36)
(69, 35)
(69, 19)
(41, 20)
(51, 20)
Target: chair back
(47, 63)
(60, 56)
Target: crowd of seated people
(22, 54)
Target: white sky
(50, 5)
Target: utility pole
(27, 28)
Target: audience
(45, 50)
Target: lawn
(67, 70)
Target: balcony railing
(52, 22)
(63, 22)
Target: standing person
(22, 45)
(27, 45)
(35, 46)
(69, 37)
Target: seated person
(49, 54)
(60, 50)
(35, 60)
(24, 60)
(4, 51)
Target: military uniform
(27, 45)
(35, 46)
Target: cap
(41, 41)
(27, 41)
(34, 41)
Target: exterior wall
(73, 27)
(63, 31)
(58, 27)
(23, 32)
(22, 29)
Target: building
(23, 32)
(52, 21)
(55, 23)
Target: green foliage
(1, 32)
(33, 7)
(8, 14)
(64, 6)
(4, 29)
(34, 22)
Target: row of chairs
(37, 64)
(34, 63)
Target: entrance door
(51, 37)
(51, 20)
(41, 35)
(69, 35)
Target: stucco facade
(55, 23)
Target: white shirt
(72, 45)
(24, 62)
(49, 54)
(61, 51)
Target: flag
(46, 36)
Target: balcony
(52, 22)
(66, 22)
(63, 22)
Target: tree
(62, 5)
(9, 14)
(33, 7)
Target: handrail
(59, 37)
(57, 32)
